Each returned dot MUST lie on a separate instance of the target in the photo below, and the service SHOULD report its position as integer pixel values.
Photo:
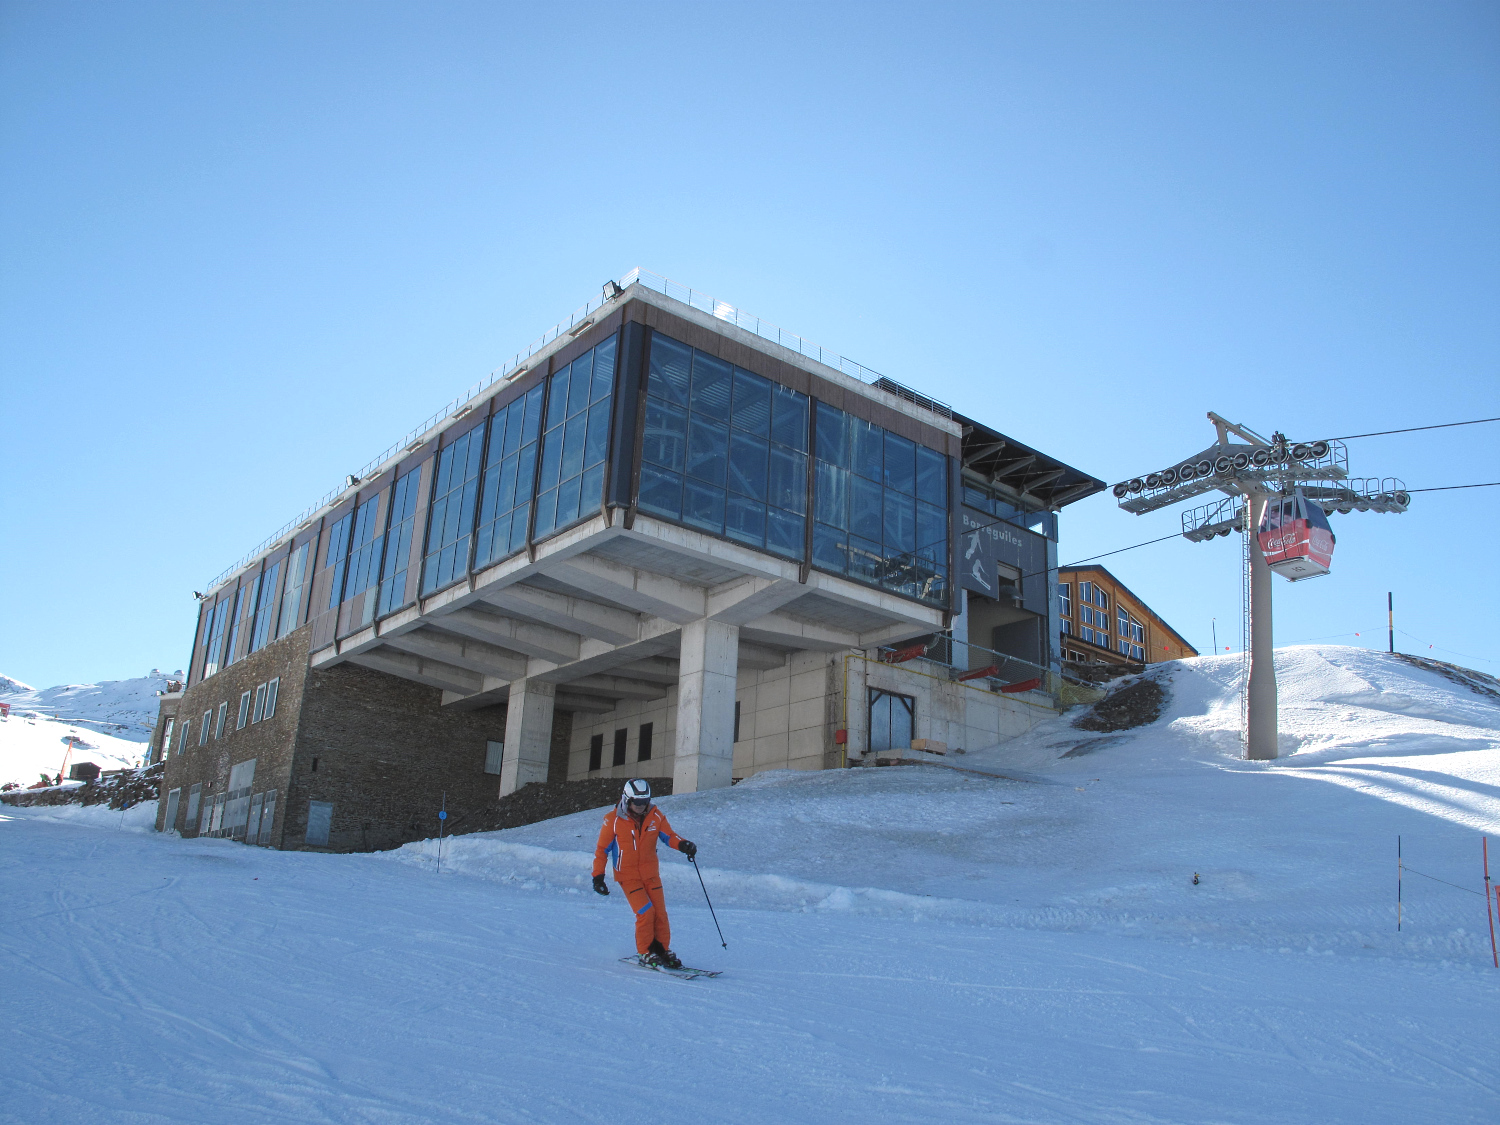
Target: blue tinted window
(869, 523)
(450, 519)
(213, 638)
(724, 450)
(364, 549)
(265, 609)
(576, 442)
(402, 525)
(335, 558)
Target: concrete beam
(759, 658)
(639, 590)
(794, 633)
(587, 704)
(743, 600)
(461, 652)
(607, 623)
(655, 669)
(544, 642)
(433, 673)
(614, 687)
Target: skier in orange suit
(628, 837)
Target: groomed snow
(906, 944)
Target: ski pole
(1485, 845)
(694, 861)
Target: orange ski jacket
(631, 844)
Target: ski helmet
(636, 790)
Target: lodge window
(596, 752)
(166, 739)
(236, 619)
(195, 796)
(570, 482)
(509, 469)
(182, 736)
(494, 757)
(880, 507)
(1067, 628)
(336, 557)
(244, 716)
(205, 727)
(271, 689)
(402, 522)
(364, 553)
(265, 602)
(1065, 598)
(219, 725)
(643, 747)
(213, 638)
(450, 521)
(724, 450)
(260, 704)
(620, 736)
(291, 598)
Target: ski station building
(669, 541)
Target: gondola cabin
(1296, 538)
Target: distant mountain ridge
(122, 708)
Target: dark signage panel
(993, 553)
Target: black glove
(687, 848)
(599, 887)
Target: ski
(683, 973)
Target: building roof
(1140, 600)
(1043, 480)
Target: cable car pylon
(1279, 495)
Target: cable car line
(1414, 429)
(1080, 562)
(1450, 487)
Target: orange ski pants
(650, 914)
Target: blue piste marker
(443, 814)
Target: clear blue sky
(248, 245)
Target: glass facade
(213, 638)
(236, 620)
(570, 482)
(291, 598)
(509, 469)
(265, 608)
(335, 556)
(398, 541)
(880, 507)
(364, 548)
(724, 450)
(450, 523)
(1043, 523)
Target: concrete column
(705, 706)
(1260, 712)
(528, 734)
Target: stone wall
(271, 742)
(386, 754)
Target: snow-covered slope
(1076, 830)
(30, 747)
(121, 708)
(1019, 941)
(112, 720)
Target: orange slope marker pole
(1488, 909)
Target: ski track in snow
(906, 944)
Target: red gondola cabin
(1296, 538)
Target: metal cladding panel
(195, 658)
(630, 390)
